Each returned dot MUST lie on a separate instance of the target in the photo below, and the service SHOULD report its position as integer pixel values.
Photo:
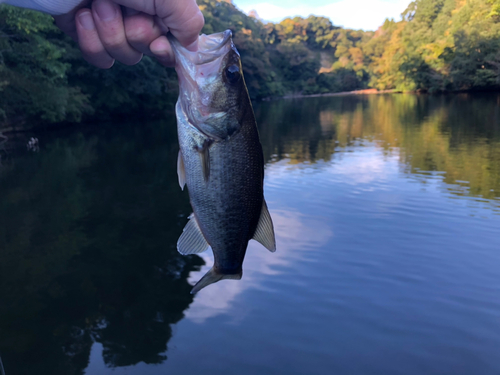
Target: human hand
(124, 30)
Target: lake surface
(387, 218)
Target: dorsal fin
(181, 171)
(192, 240)
(265, 231)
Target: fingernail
(106, 11)
(163, 55)
(86, 20)
(160, 47)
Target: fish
(220, 158)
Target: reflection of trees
(87, 240)
(458, 134)
(292, 129)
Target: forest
(438, 46)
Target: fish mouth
(199, 71)
(210, 48)
(215, 42)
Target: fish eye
(233, 73)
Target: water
(387, 217)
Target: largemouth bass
(220, 158)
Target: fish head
(211, 84)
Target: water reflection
(87, 235)
(88, 225)
(457, 135)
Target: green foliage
(33, 70)
(495, 9)
(143, 90)
(43, 78)
(440, 45)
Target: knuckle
(194, 20)
(199, 21)
(138, 33)
(114, 41)
(91, 48)
(192, 25)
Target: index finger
(182, 17)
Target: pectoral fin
(205, 162)
(181, 171)
(192, 240)
(265, 231)
(211, 277)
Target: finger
(162, 50)
(185, 22)
(92, 49)
(109, 24)
(129, 12)
(182, 17)
(141, 30)
(66, 22)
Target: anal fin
(192, 240)
(264, 233)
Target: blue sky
(353, 14)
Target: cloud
(353, 14)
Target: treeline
(43, 78)
(440, 45)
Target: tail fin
(211, 277)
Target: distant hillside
(286, 58)
(440, 45)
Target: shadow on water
(88, 231)
(89, 224)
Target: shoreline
(377, 92)
(19, 126)
(342, 93)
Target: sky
(352, 14)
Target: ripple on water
(405, 267)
